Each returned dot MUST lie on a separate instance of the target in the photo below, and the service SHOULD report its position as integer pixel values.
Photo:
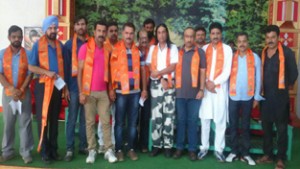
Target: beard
(52, 36)
(16, 44)
(150, 35)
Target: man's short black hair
(273, 28)
(147, 21)
(129, 24)
(14, 28)
(101, 22)
(78, 18)
(200, 28)
(242, 34)
(216, 25)
(113, 23)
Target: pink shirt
(98, 83)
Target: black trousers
(49, 144)
(282, 138)
(145, 114)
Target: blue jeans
(76, 108)
(126, 105)
(240, 144)
(187, 122)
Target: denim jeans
(237, 108)
(75, 108)
(126, 106)
(187, 123)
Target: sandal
(264, 159)
(280, 165)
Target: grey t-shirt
(187, 91)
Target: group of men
(174, 87)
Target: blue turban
(50, 20)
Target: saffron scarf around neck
(250, 73)
(281, 76)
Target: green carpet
(144, 162)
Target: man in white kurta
(215, 102)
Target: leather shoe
(155, 151)
(192, 156)
(168, 152)
(177, 154)
(46, 159)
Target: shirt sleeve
(67, 55)
(149, 57)
(224, 76)
(34, 57)
(257, 95)
(82, 52)
(174, 54)
(291, 66)
(28, 54)
(1, 60)
(202, 58)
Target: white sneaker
(101, 149)
(110, 156)
(249, 160)
(230, 157)
(91, 157)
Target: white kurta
(215, 105)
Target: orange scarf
(219, 60)
(152, 41)
(7, 68)
(168, 63)
(89, 63)
(250, 70)
(74, 55)
(194, 68)
(49, 82)
(119, 65)
(281, 79)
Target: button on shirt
(52, 57)
(242, 80)
(15, 65)
(162, 57)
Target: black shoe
(168, 152)
(177, 154)
(69, 156)
(83, 152)
(46, 159)
(55, 157)
(192, 156)
(155, 151)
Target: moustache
(242, 46)
(215, 38)
(128, 38)
(270, 43)
(101, 37)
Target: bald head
(143, 38)
(189, 37)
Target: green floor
(144, 162)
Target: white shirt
(162, 57)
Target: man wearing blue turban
(47, 62)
